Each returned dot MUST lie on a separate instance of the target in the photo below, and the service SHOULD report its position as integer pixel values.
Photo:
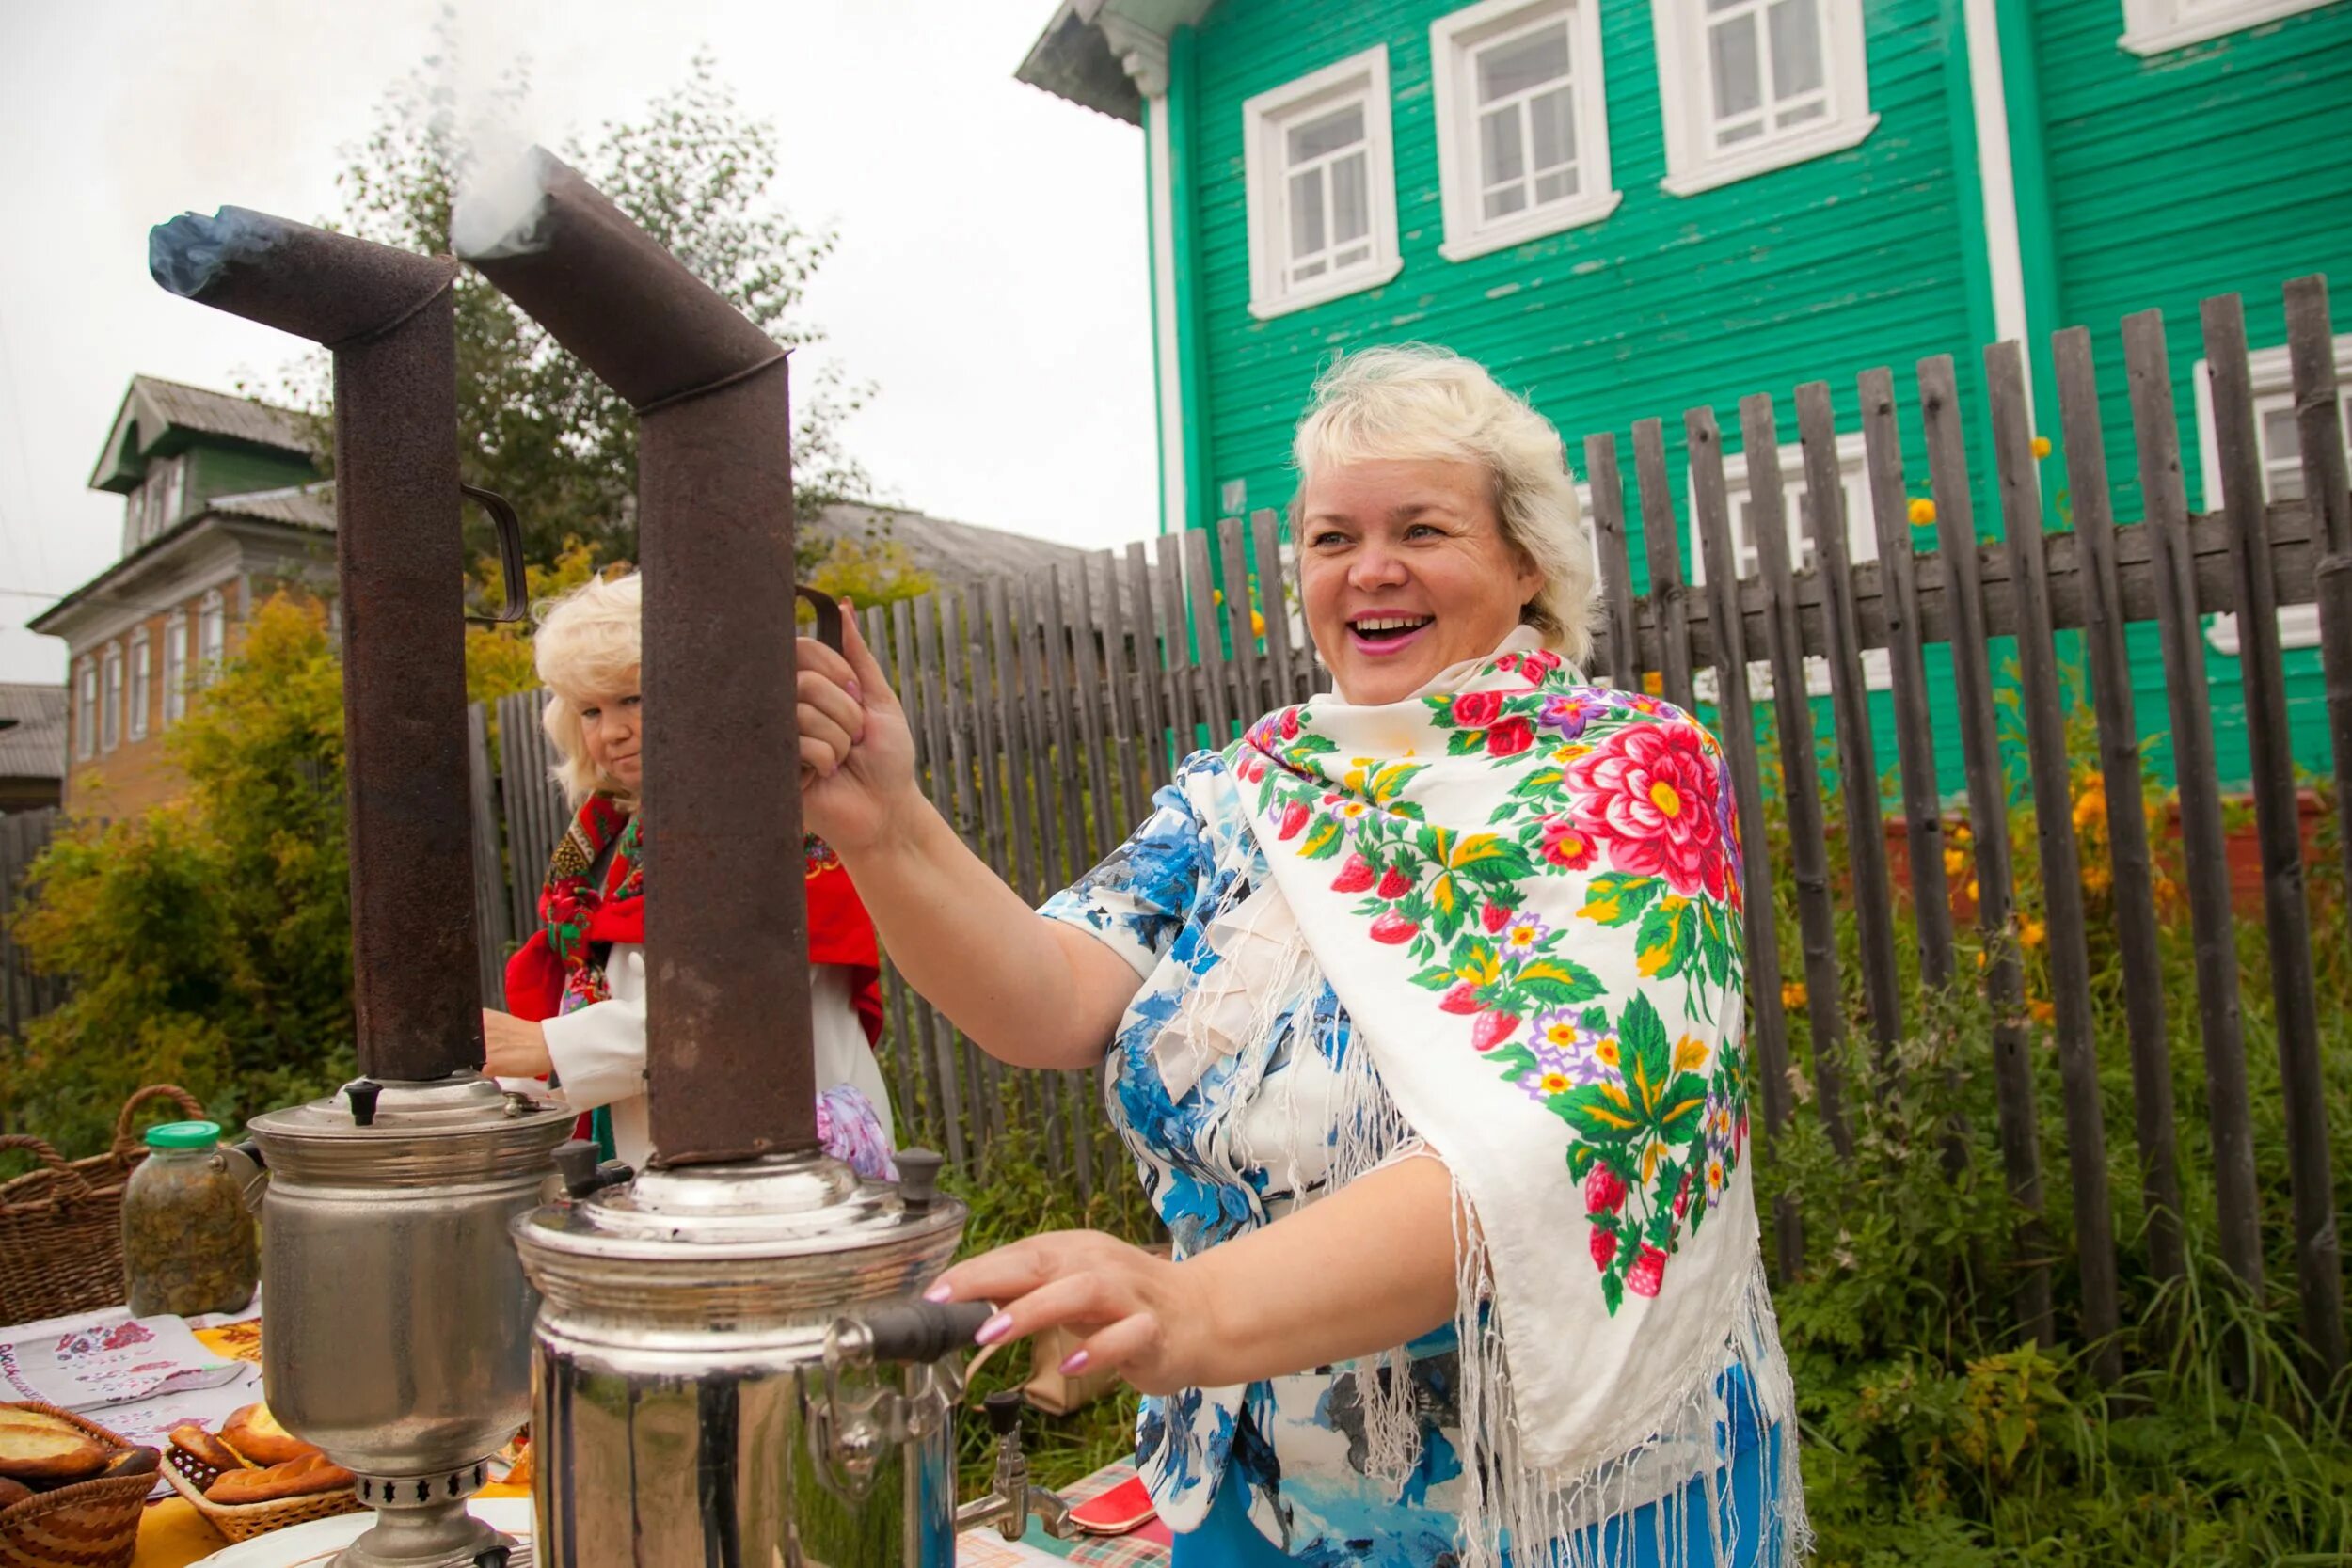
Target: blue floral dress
(1282, 1471)
(1223, 1159)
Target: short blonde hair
(590, 640)
(1415, 400)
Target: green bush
(207, 941)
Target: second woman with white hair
(575, 992)
(1420, 1009)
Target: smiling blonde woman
(1420, 1007)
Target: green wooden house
(1630, 207)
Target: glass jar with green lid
(189, 1241)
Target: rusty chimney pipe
(732, 1070)
(387, 317)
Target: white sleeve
(598, 1050)
(842, 1054)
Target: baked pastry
(255, 1433)
(40, 1448)
(12, 1492)
(205, 1449)
(133, 1462)
(296, 1478)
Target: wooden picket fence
(1046, 710)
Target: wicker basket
(62, 1226)
(244, 1521)
(91, 1524)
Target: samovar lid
(412, 1131)
(782, 1207)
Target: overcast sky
(990, 275)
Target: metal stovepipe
(731, 1067)
(387, 317)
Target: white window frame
(1264, 118)
(142, 686)
(2273, 379)
(110, 697)
(1862, 543)
(86, 712)
(175, 668)
(1453, 43)
(1686, 95)
(2154, 26)
(212, 637)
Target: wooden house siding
(2223, 166)
(1857, 257)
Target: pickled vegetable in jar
(188, 1242)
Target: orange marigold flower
(1922, 511)
(2032, 933)
(1792, 995)
(2041, 446)
(2044, 1012)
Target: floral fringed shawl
(1525, 892)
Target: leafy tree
(207, 941)
(695, 170)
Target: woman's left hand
(1142, 1316)
(513, 1046)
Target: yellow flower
(1606, 1051)
(1257, 623)
(1922, 511)
(2032, 934)
(2044, 1012)
(1653, 683)
(1216, 596)
(1955, 862)
(2040, 447)
(1792, 995)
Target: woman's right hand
(857, 754)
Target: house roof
(1072, 59)
(152, 409)
(1096, 53)
(34, 746)
(303, 505)
(308, 507)
(957, 554)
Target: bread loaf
(295, 1478)
(205, 1449)
(254, 1433)
(12, 1492)
(42, 1448)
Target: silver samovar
(727, 1367)
(399, 1319)
(728, 1370)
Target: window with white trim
(110, 715)
(1322, 186)
(1862, 543)
(2153, 26)
(1522, 122)
(142, 686)
(86, 713)
(175, 668)
(1749, 85)
(212, 638)
(2280, 444)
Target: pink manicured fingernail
(1074, 1363)
(941, 1291)
(994, 1329)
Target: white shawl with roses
(1526, 893)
